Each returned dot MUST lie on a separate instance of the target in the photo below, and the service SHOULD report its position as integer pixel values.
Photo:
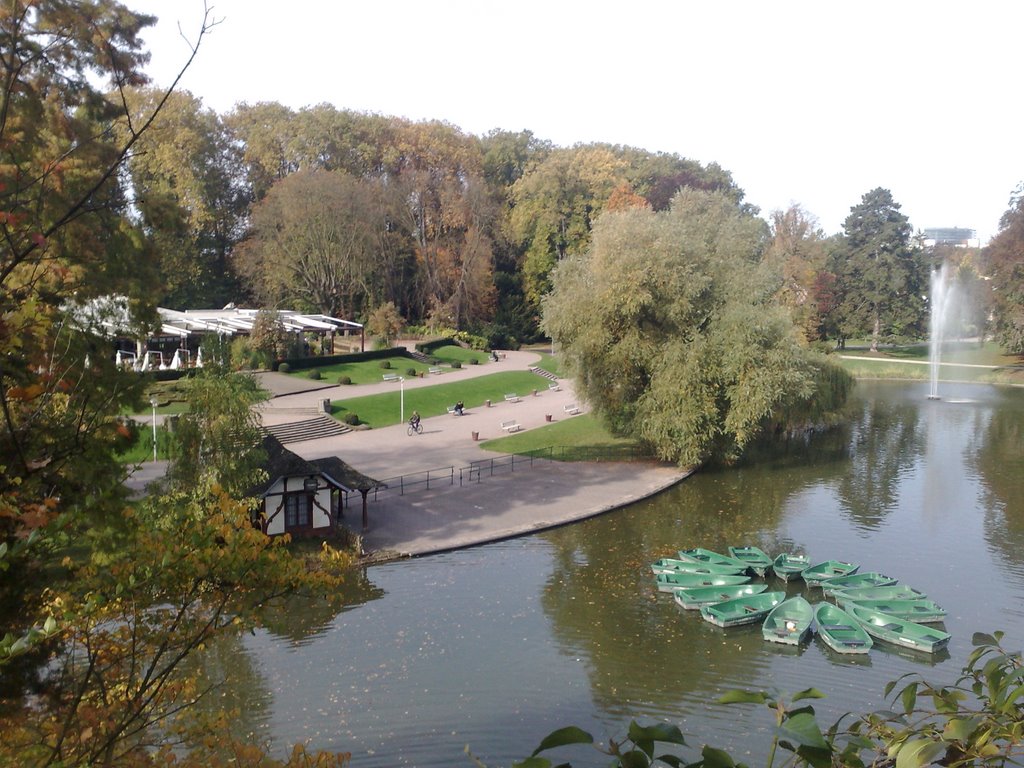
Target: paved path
(450, 515)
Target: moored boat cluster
(868, 606)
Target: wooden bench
(554, 386)
(454, 412)
(433, 369)
(390, 377)
(511, 426)
(511, 397)
(571, 408)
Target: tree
(1003, 261)
(385, 323)
(881, 274)
(797, 251)
(186, 186)
(312, 244)
(668, 324)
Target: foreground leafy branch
(976, 721)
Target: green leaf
(909, 697)
(672, 760)
(914, 754)
(961, 728)
(635, 759)
(657, 732)
(563, 737)
(802, 728)
(49, 625)
(716, 758)
(983, 638)
(808, 693)
(743, 697)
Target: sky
(806, 102)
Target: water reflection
(497, 645)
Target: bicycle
(416, 428)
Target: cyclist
(414, 420)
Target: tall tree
(312, 244)
(880, 271)
(1003, 261)
(670, 327)
(797, 251)
(190, 195)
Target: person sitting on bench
(459, 407)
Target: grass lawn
(383, 410)
(906, 363)
(143, 449)
(579, 438)
(370, 371)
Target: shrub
(474, 361)
(315, 374)
(410, 372)
(385, 364)
(344, 379)
(351, 419)
(456, 363)
(284, 368)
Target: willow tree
(669, 325)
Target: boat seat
(933, 638)
(892, 627)
(836, 627)
(749, 609)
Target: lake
(496, 646)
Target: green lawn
(383, 410)
(576, 438)
(371, 372)
(906, 363)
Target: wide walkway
(493, 505)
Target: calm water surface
(496, 646)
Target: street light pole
(401, 384)
(152, 401)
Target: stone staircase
(541, 372)
(418, 356)
(307, 429)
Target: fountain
(942, 296)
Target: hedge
(301, 363)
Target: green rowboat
(789, 622)
(902, 632)
(670, 565)
(692, 598)
(756, 559)
(667, 582)
(921, 611)
(891, 592)
(839, 630)
(787, 566)
(741, 610)
(857, 581)
(699, 555)
(830, 569)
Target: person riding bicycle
(414, 420)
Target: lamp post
(152, 401)
(401, 399)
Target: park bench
(454, 412)
(433, 369)
(554, 386)
(390, 377)
(512, 397)
(511, 426)
(572, 409)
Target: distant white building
(957, 236)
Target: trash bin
(325, 404)
(487, 403)
(476, 435)
(547, 417)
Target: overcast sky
(813, 103)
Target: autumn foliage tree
(1003, 261)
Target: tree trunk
(875, 331)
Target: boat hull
(830, 569)
(667, 582)
(892, 629)
(756, 559)
(789, 622)
(789, 567)
(890, 592)
(671, 565)
(840, 631)
(921, 611)
(742, 610)
(695, 597)
(699, 555)
(857, 581)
